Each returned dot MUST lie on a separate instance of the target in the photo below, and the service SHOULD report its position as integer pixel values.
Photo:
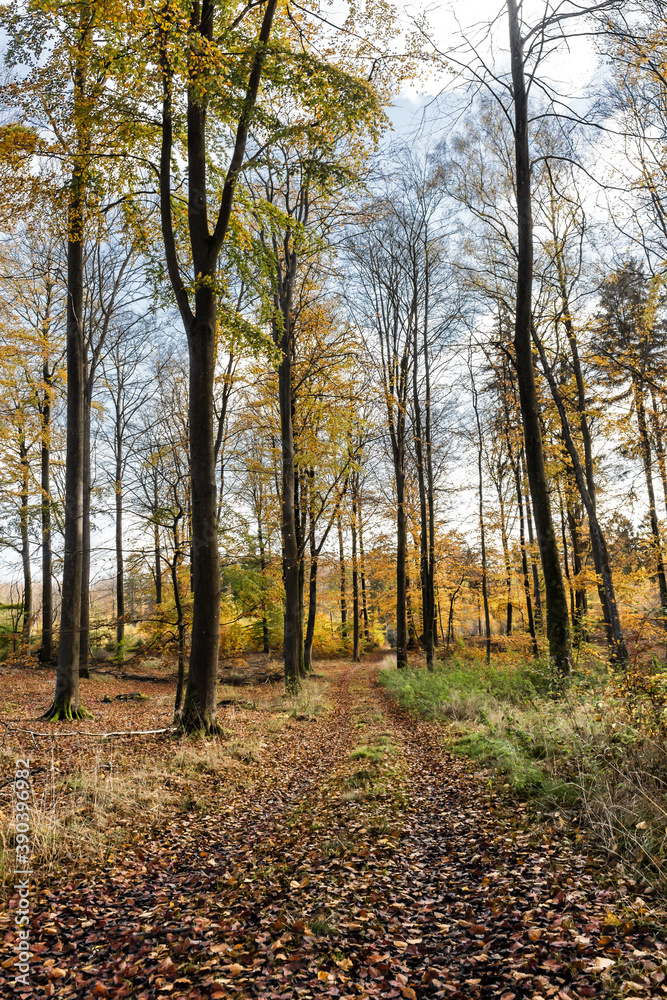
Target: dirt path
(364, 861)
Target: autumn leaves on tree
(359, 338)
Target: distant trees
(409, 394)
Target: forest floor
(328, 846)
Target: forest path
(361, 860)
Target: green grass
(467, 690)
(574, 749)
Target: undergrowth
(577, 754)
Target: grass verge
(580, 756)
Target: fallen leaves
(278, 884)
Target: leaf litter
(343, 855)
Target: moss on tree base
(61, 710)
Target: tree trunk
(506, 556)
(524, 553)
(300, 507)
(362, 567)
(84, 641)
(568, 577)
(558, 629)
(67, 701)
(659, 442)
(342, 575)
(200, 704)
(401, 574)
(46, 651)
(120, 587)
(355, 576)
(158, 564)
(199, 709)
(580, 596)
(180, 622)
(262, 567)
(413, 638)
(537, 592)
(312, 607)
(482, 532)
(25, 547)
(617, 647)
(424, 519)
(292, 625)
(645, 447)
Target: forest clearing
(331, 844)
(333, 499)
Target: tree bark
(537, 592)
(506, 556)
(120, 580)
(482, 532)
(426, 521)
(362, 567)
(658, 437)
(46, 650)
(180, 620)
(84, 641)
(401, 573)
(558, 629)
(199, 708)
(645, 446)
(292, 624)
(617, 647)
(200, 703)
(312, 604)
(516, 469)
(25, 546)
(66, 704)
(342, 578)
(355, 575)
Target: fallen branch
(101, 736)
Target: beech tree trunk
(617, 647)
(46, 650)
(342, 577)
(26, 624)
(482, 532)
(84, 641)
(180, 621)
(362, 567)
(658, 437)
(262, 567)
(506, 556)
(401, 574)
(120, 579)
(200, 704)
(355, 577)
(67, 701)
(537, 592)
(199, 320)
(524, 553)
(158, 563)
(292, 624)
(558, 628)
(645, 446)
(312, 609)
